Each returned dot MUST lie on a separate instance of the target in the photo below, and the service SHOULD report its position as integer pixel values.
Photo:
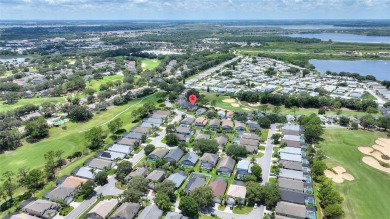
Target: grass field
(149, 64)
(368, 195)
(35, 101)
(69, 140)
(95, 84)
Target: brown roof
(201, 121)
(249, 142)
(127, 141)
(226, 122)
(229, 113)
(218, 187)
(141, 130)
(73, 181)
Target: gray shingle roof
(194, 183)
(227, 162)
(151, 211)
(100, 163)
(159, 152)
(126, 211)
(60, 193)
(190, 157)
(178, 178)
(291, 174)
(290, 209)
(174, 155)
(292, 196)
(291, 184)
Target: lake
(380, 69)
(344, 37)
(12, 59)
(292, 27)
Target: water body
(12, 59)
(293, 27)
(380, 69)
(344, 37)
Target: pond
(378, 68)
(12, 59)
(343, 37)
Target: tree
(344, 121)
(264, 122)
(321, 111)
(123, 169)
(139, 183)
(183, 146)
(167, 187)
(236, 151)
(276, 138)
(367, 121)
(115, 125)
(101, 178)
(34, 179)
(256, 171)
(384, 122)
(170, 128)
(203, 196)
(163, 202)
(132, 195)
(188, 206)
(249, 177)
(272, 195)
(172, 139)
(9, 186)
(86, 189)
(80, 114)
(149, 149)
(51, 164)
(253, 192)
(206, 146)
(334, 211)
(264, 108)
(277, 110)
(354, 126)
(37, 129)
(94, 138)
(294, 110)
(318, 168)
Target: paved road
(137, 157)
(265, 161)
(108, 189)
(254, 214)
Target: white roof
(237, 191)
(85, 172)
(291, 157)
(120, 148)
(291, 150)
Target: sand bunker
(370, 161)
(235, 105)
(339, 176)
(254, 104)
(382, 147)
(230, 100)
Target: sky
(192, 9)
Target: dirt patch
(340, 175)
(254, 104)
(370, 161)
(230, 100)
(235, 105)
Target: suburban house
(157, 154)
(292, 196)
(61, 193)
(151, 211)
(188, 121)
(291, 157)
(99, 163)
(201, 122)
(156, 122)
(226, 166)
(134, 135)
(157, 175)
(141, 130)
(140, 171)
(227, 125)
(254, 126)
(251, 136)
(214, 124)
(124, 149)
(208, 161)
(189, 160)
(243, 168)
(71, 181)
(40, 208)
(161, 113)
(102, 209)
(250, 145)
(200, 111)
(85, 172)
(239, 126)
(293, 140)
(178, 178)
(202, 136)
(229, 114)
(290, 210)
(290, 184)
(291, 165)
(221, 140)
(20, 216)
(221, 114)
(126, 211)
(291, 174)
(218, 186)
(128, 141)
(174, 155)
(175, 215)
(184, 130)
(236, 190)
(292, 130)
(292, 150)
(194, 182)
(111, 155)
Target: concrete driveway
(255, 213)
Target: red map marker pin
(192, 99)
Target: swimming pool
(308, 179)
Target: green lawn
(69, 140)
(368, 195)
(95, 84)
(242, 210)
(149, 64)
(35, 101)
